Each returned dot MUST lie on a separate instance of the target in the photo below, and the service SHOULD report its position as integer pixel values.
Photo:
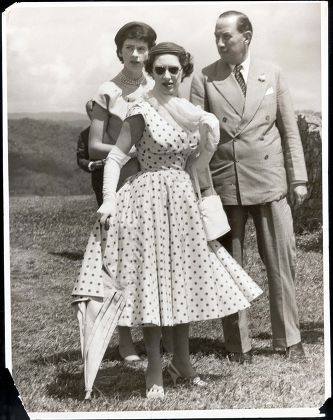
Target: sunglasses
(161, 70)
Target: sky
(59, 53)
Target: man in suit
(258, 161)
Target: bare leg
(181, 350)
(126, 347)
(152, 337)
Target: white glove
(132, 153)
(113, 163)
(209, 128)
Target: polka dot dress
(156, 251)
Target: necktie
(239, 78)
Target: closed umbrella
(100, 336)
(99, 313)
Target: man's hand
(298, 195)
(97, 164)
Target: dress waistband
(177, 174)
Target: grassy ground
(48, 237)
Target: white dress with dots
(156, 250)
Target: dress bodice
(110, 97)
(161, 146)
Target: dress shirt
(245, 69)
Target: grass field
(48, 236)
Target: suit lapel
(229, 88)
(255, 91)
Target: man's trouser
(276, 244)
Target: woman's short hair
(134, 30)
(185, 58)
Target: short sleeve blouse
(109, 96)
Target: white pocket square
(269, 91)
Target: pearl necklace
(132, 82)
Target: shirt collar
(245, 69)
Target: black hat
(167, 48)
(122, 31)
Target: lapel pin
(262, 77)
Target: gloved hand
(209, 128)
(106, 210)
(113, 163)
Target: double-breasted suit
(259, 157)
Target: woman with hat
(155, 246)
(109, 108)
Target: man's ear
(247, 37)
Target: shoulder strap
(196, 181)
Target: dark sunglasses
(161, 70)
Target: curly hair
(185, 60)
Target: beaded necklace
(131, 82)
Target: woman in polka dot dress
(155, 248)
